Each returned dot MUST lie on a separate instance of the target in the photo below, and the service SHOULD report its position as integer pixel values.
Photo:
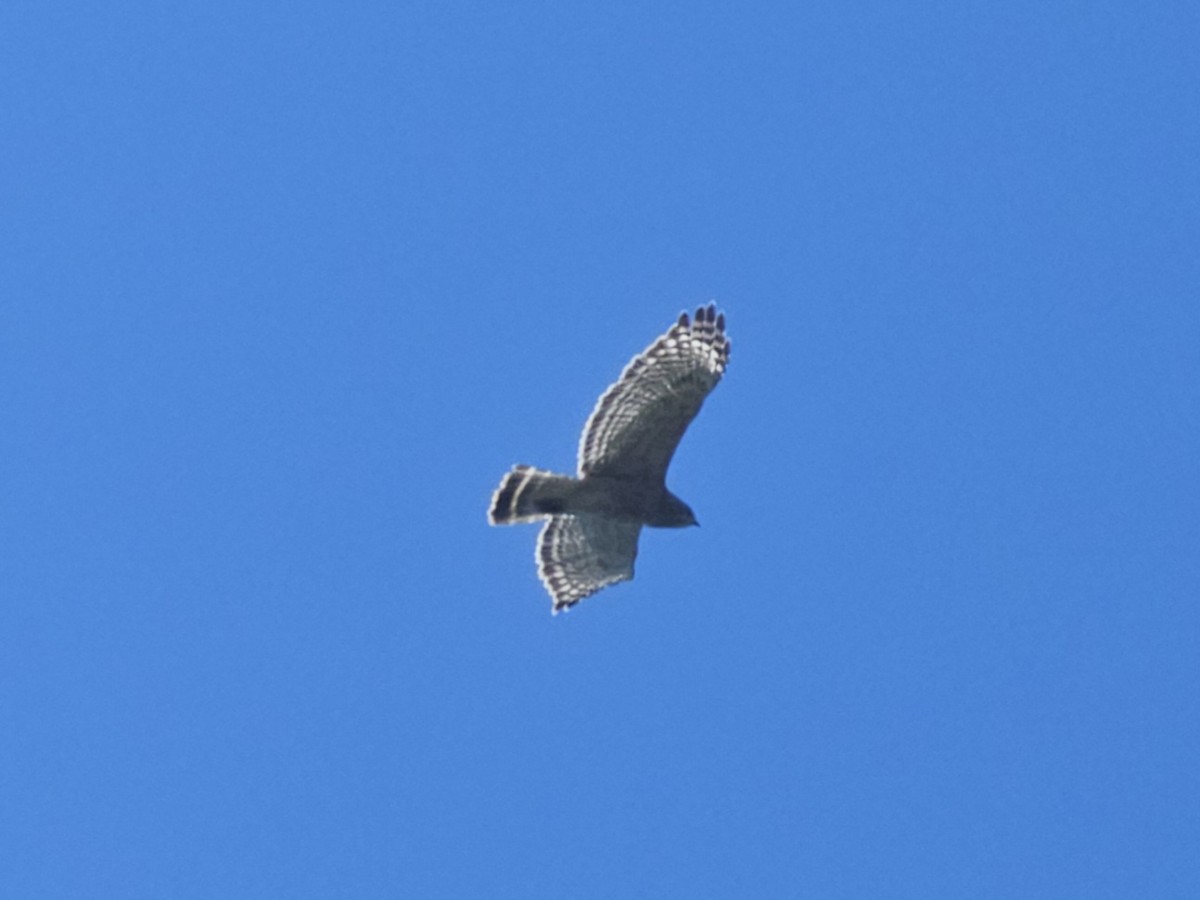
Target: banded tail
(527, 494)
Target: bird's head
(674, 513)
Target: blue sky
(287, 287)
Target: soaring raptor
(590, 537)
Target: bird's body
(594, 518)
(528, 494)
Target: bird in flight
(594, 518)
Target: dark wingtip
(721, 322)
(683, 320)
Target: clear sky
(286, 287)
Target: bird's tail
(526, 494)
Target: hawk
(593, 520)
